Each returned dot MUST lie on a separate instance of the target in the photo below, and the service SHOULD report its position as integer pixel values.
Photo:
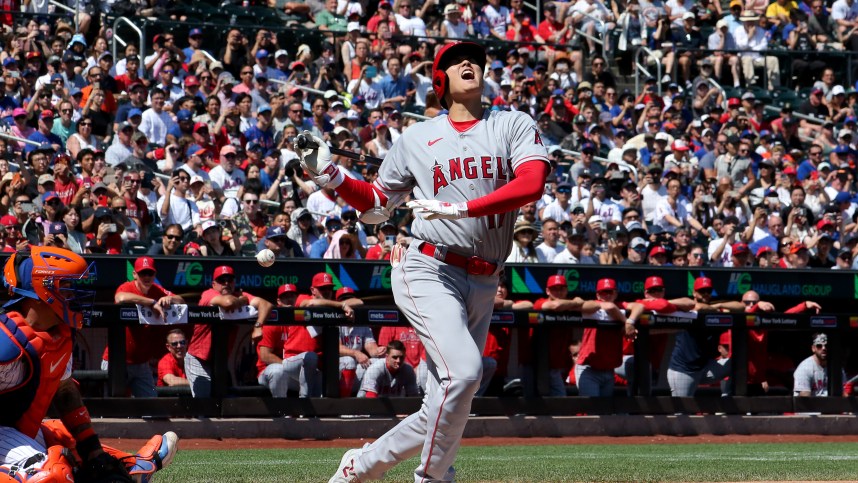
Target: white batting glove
(438, 210)
(317, 161)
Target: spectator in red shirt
(139, 339)
(65, 184)
(602, 348)
(386, 239)
(287, 356)
(171, 367)
(234, 304)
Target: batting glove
(317, 161)
(438, 210)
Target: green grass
(573, 463)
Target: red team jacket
(201, 340)
(142, 342)
(289, 340)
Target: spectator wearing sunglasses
(171, 367)
(171, 241)
(140, 340)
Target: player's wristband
(88, 446)
(630, 321)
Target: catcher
(36, 334)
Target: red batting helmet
(448, 52)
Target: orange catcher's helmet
(53, 276)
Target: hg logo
(739, 283)
(188, 274)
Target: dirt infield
(215, 444)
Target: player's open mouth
(468, 74)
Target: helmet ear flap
(439, 84)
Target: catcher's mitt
(102, 469)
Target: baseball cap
(191, 80)
(797, 247)
(606, 284)
(680, 145)
(555, 280)
(657, 250)
(345, 293)
(144, 263)
(228, 149)
(287, 288)
(636, 241)
(740, 249)
(50, 195)
(763, 250)
(322, 279)
(209, 224)
(195, 32)
(134, 111)
(223, 270)
(57, 228)
(19, 111)
(281, 52)
(273, 232)
(702, 283)
(183, 115)
(8, 220)
(653, 282)
(46, 178)
(196, 179)
(261, 53)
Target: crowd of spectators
(188, 148)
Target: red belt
(473, 265)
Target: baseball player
(390, 376)
(287, 355)
(602, 347)
(233, 303)
(469, 170)
(36, 333)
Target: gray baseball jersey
(380, 380)
(449, 309)
(438, 162)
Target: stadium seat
(137, 247)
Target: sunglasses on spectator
(86, 124)
(564, 190)
(251, 201)
(54, 202)
(173, 237)
(749, 302)
(178, 343)
(166, 71)
(705, 291)
(225, 279)
(821, 346)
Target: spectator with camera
(174, 206)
